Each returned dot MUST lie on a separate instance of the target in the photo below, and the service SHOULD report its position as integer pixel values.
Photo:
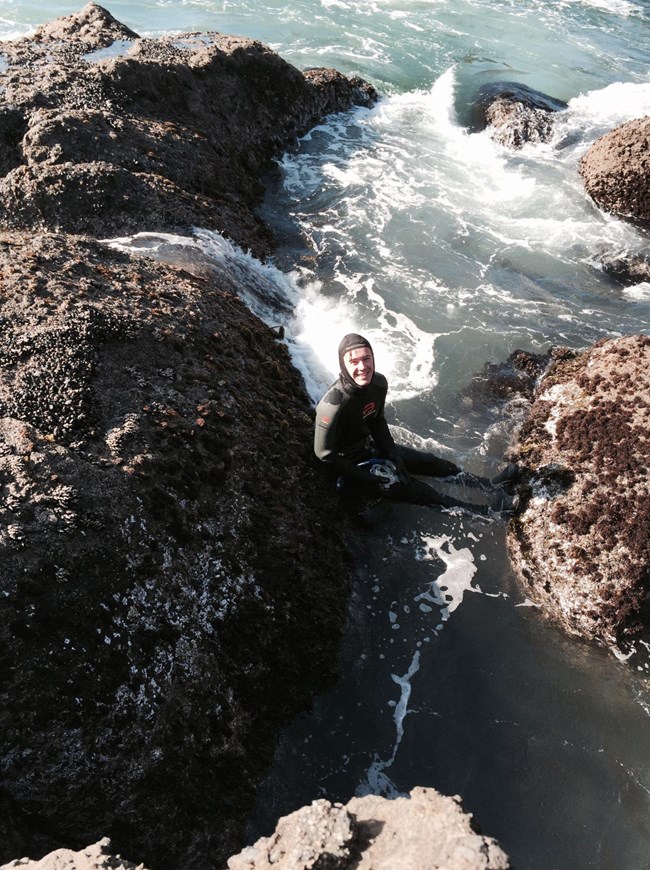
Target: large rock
(422, 832)
(164, 135)
(167, 549)
(168, 552)
(581, 547)
(514, 114)
(616, 171)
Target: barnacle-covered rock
(581, 547)
(616, 171)
(155, 134)
(167, 553)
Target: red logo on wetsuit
(368, 410)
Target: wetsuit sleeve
(326, 437)
(327, 443)
(380, 431)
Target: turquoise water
(449, 252)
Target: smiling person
(352, 437)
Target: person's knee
(414, 492)
(423, 462)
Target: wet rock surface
(627, 270)
(505, 381)
(165, 134)
(514, 114)
(616, 171)
(581, 546)
(168, 552)
(168, 549)
(424, 831)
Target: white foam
(376, 781)
(450, 587)
(597, 112)
(638, 292)
(313, 325)
(527, 603)
(623, 656)
(11, 29)
(616, 7)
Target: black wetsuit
(351, 427)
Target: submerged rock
(581, 547)
(422, 832)
(502, 382)
(616, 171)
(514, 114)
(165, 134)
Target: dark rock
(627, 270)
(616, 171)
(514, 114)
(581, 547)
(12, 129)
(168, 547)
(501, 382)
(174, 133)
(168, 550)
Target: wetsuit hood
(349, 342)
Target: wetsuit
(351, 427)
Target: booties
(509, 474)
(506, 504)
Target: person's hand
(400, 467)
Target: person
(352, 437)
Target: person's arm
(384, 440)
(379, 427)
(327, 442)
(382, 437)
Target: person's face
(360, 365)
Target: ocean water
(448, 252)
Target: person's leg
(430, 465)
(418, 492)
(423, 462)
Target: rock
(95, 857)
(165, 135)
(581, 547)
(92, 25)
(514, 114)
(504, 381)
(616, 171)
(168, 547)
(627, 270)
(12, 129)
(424, 831)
